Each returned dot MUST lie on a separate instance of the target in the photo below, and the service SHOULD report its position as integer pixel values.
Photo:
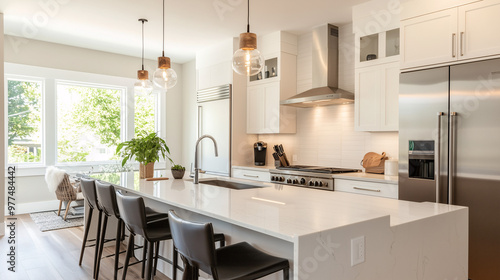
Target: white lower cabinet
(367, 188)
(263, 176)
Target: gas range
(317, 177)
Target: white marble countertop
(360, 176)
(282, 211)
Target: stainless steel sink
(229, 184)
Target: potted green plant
(147, 149)
(178, 171)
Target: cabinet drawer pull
(251, 176)
(461, 43)
(363, 189)
(453, 39)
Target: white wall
(189, 113)
(32, 193)
(325, 135)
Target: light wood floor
(54, 255)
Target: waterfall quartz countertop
(296, 211)
(402, 238)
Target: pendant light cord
(142, 43)
(163, 47)
(248, 16)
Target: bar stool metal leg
(130, 248)
(144, 252)
(175, 257)
(117, 247)
(150, 260)
(99, 221)
(101, 247)
(286, 272)
(157, 253)
(86, 234)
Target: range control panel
(303, 181)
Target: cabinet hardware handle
(453, 39)
(251, 176)
(462, 43)
(363, 189)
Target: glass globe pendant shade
(165, 78)
(143, 85)
(247, 60)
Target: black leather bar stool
(106, 197)
(195, 243)
(89, 192)
(133, 212)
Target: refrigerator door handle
(437, 156)
(451, 164)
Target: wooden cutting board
(157, 179)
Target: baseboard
(2, 229)
(32, 207)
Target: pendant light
(248, 60)
(143, 85)
(164, 77)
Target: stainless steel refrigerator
(449, 150)
(214, 118)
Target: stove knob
(289, 181)
(311, 183)
(282, 179)
(320, 183)
(295, 181)
(302, 181)
(272, 178)
(326, 185)
(316, 183)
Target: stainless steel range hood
(325, 70)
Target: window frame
(25, 78)
(49, 137)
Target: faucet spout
(196, 168)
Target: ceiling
(190, 25)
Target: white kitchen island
(314, 228)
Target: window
(144, 116)
(24, 137)
(88, 123)
(71, 119)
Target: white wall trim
(2, 229)
(32, 207)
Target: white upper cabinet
(429, 39)
(467, 32)
(376, 94)
(377, 51)
(478, 29)
(266, 90)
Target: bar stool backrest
(195, 242)
(106, 196)
(133, 213)
(89, 192)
